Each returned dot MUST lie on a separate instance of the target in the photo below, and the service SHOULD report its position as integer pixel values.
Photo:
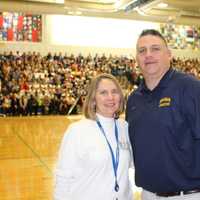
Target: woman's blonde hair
(89, 109)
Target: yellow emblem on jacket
(164, 102)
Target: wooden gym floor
(28, 152)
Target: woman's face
(107, 98)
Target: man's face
(153, 56)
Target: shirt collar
(163, 82)
(104, 119)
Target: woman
(95, 154)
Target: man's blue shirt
(164, 129)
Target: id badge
(115, 198)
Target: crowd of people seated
(32, 84)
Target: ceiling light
(60, 1)
(70, 12)
(48, 1)
(78, 12)
(162, 5)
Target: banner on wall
(1, 21)
(20, 27)
(181, 36)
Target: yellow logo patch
(164, 102)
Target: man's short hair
(153, 32)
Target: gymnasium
(49, 52)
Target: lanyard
(115, 159)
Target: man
(164, 125)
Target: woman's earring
(94, 106)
